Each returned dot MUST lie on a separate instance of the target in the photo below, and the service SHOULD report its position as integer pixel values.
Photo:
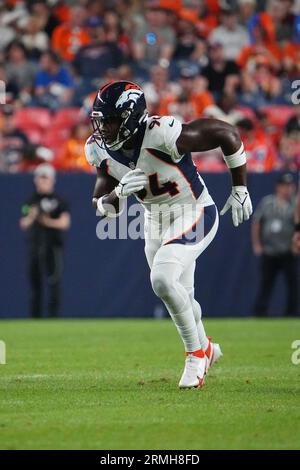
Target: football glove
(240, 203)
(132, 182)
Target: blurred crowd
(236, 60)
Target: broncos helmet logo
(128, 95)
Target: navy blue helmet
(119, 109)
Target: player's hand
(132, 182)
(240, 203)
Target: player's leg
(152, 238)
(212, 350)
(187, 280)
(165, 278)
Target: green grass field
(112, 384)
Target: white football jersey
(172, 178)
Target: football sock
(200, 328)
(166, 285)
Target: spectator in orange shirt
(200, 16)
(72, 157)
(263, 47)
(69, 37)
(193, 99)
(261, 155)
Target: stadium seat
(55, 138)
(27, 118)
(34, 134)
(278, 114)
(66, 118)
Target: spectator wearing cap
(272, 234)
(54, 85)
(154, 41)
(222, 75)
(68, 37)
(93, 60)
(193, 99)
(44, 217)
(230, 34)
(13, 142)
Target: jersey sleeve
(172, 130)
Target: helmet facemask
(124, 132)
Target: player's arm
(208, 134)
(104, 187)
(109, 192)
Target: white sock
(166, 285)
(200, 328)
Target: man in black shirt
(221, 74)
(45, 216)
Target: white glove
(240, 203)
(132, 182)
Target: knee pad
(161, 282)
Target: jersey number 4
(170, 187)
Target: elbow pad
(236, 159)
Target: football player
(150, 157)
